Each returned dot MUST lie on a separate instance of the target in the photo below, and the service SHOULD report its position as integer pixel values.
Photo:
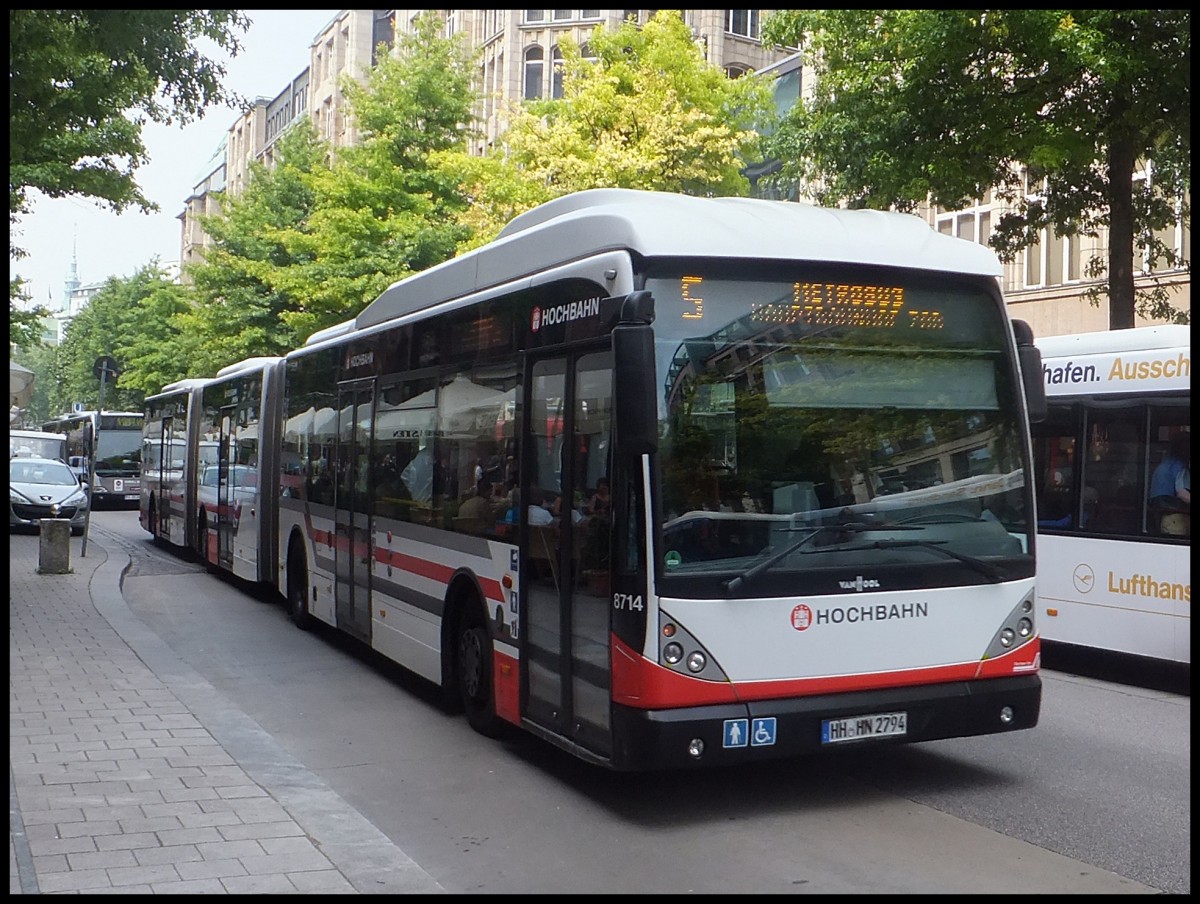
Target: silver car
(41, 488)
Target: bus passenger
(1170, 488)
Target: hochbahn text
(665, 481)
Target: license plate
(861, 728)
(132, 497)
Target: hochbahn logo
(804, 618)
(564, 313)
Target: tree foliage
(383, 210)
(83, 82)
(240, 300)
(649, 112)
(941, 105)
(131, 320)
(81, 85)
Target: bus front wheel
(474, 660)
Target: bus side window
(1111, 469)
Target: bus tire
(297, 587)
(152, 520)
(473, 664)
(202, 536)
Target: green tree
(241, 297)
(24, 323)
(941, 105)
(383, 210)
(82, 83)
(648, 113)
(129, 319)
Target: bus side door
(352, 518)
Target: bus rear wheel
(474, 661)
(297, 590)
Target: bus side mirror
(635, 402)
(1030, 360)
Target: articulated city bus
(674, 481)
(1115, 571)
(117, 438)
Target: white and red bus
(813, 429)
(1115, 571)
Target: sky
(274, 50)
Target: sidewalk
(128, 773)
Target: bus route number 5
(628, 601)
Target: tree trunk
(1121, 162)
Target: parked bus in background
(814, 428)
(1115, 570)
(37, 444)
(171, 461)
(117, 436)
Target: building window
(451, 22)
(1175, 236)
(535, 15)
(1053, 260)
(563, 15)
(556, 71)
(533, 72)
(742, 22)
(972, 223)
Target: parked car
(41, 488)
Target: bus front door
(352, 528)
(565, 555)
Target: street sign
(105, 369)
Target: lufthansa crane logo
(1083, 578)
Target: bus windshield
(857, 424)
(119, 452)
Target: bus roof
(1144, 360)
(1105, 341)
(248, 364)
(662, 224)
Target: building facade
(520, 59)
(518, 54)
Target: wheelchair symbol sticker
(762, 732)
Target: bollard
(54, 553)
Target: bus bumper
(661, 739)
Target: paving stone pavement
(128, 773)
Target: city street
(1096, 798)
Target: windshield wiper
(734, 583)
(991, 572)
(987, 569)
(855, 527)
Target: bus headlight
(1007, 636)
(1025, 627)
(672, 653)
(696, 662)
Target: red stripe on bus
(423, 568)
(640, 683)
(506, 680)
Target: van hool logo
(564, 313)
(860, 584)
